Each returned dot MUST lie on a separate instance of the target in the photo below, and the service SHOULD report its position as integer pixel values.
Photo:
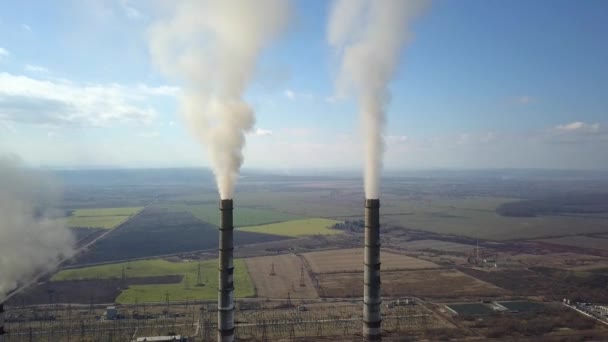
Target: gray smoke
(212, 48)
(32, 239)
(368, 36)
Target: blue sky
(483, 84)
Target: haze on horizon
(480, 85)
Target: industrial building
(111, 313)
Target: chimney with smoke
(372, 301)
(225, 313)
(368, 37)
(212, 48)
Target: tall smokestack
(225, 308)
(1, 322)
(368, 37)
(372, 319)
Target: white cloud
(289, 94)
(397, 139)
(576, 132)
(164, 90)
(7, 126)
(129, 10)
(132, 12)
(579, 127)
(36, 69)
(26, 27)
(524, 100)
(25, 100)
(4, 52)
(259, 132)
(293, 95)
(331, 99)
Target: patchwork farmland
(419, 283)
(351, 260)
(158, 232)
(181, 279)
(313, 226)
(100, 218)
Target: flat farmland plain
(313, 226)
(106, 218)
(287, 269)
(85, 291)
(572, 261)
(123, 211)
(158, 232)
(492, 226)
(243, 216)
(423, 283)
(297, 202)
(474, 217)
(580, 241)
(438, 245)
(351, 260)
(185, 289)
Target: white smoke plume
(368, 36)
(212, 47)
(32, 239)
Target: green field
(477, 218)
(313, 226)
(242, 216)
(474, 217)
(295, 204)
(128, 211)
(488, 225)
(186, 290)
(100, 218)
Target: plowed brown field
(351, 260)
(423, 283)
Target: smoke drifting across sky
(31, 239)
(368, 37)
(212, 48)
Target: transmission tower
(199, 280)
(264, 333)
(302, 282)
(124, 278)
(292, 332)
(477, 253)
(167, 299)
